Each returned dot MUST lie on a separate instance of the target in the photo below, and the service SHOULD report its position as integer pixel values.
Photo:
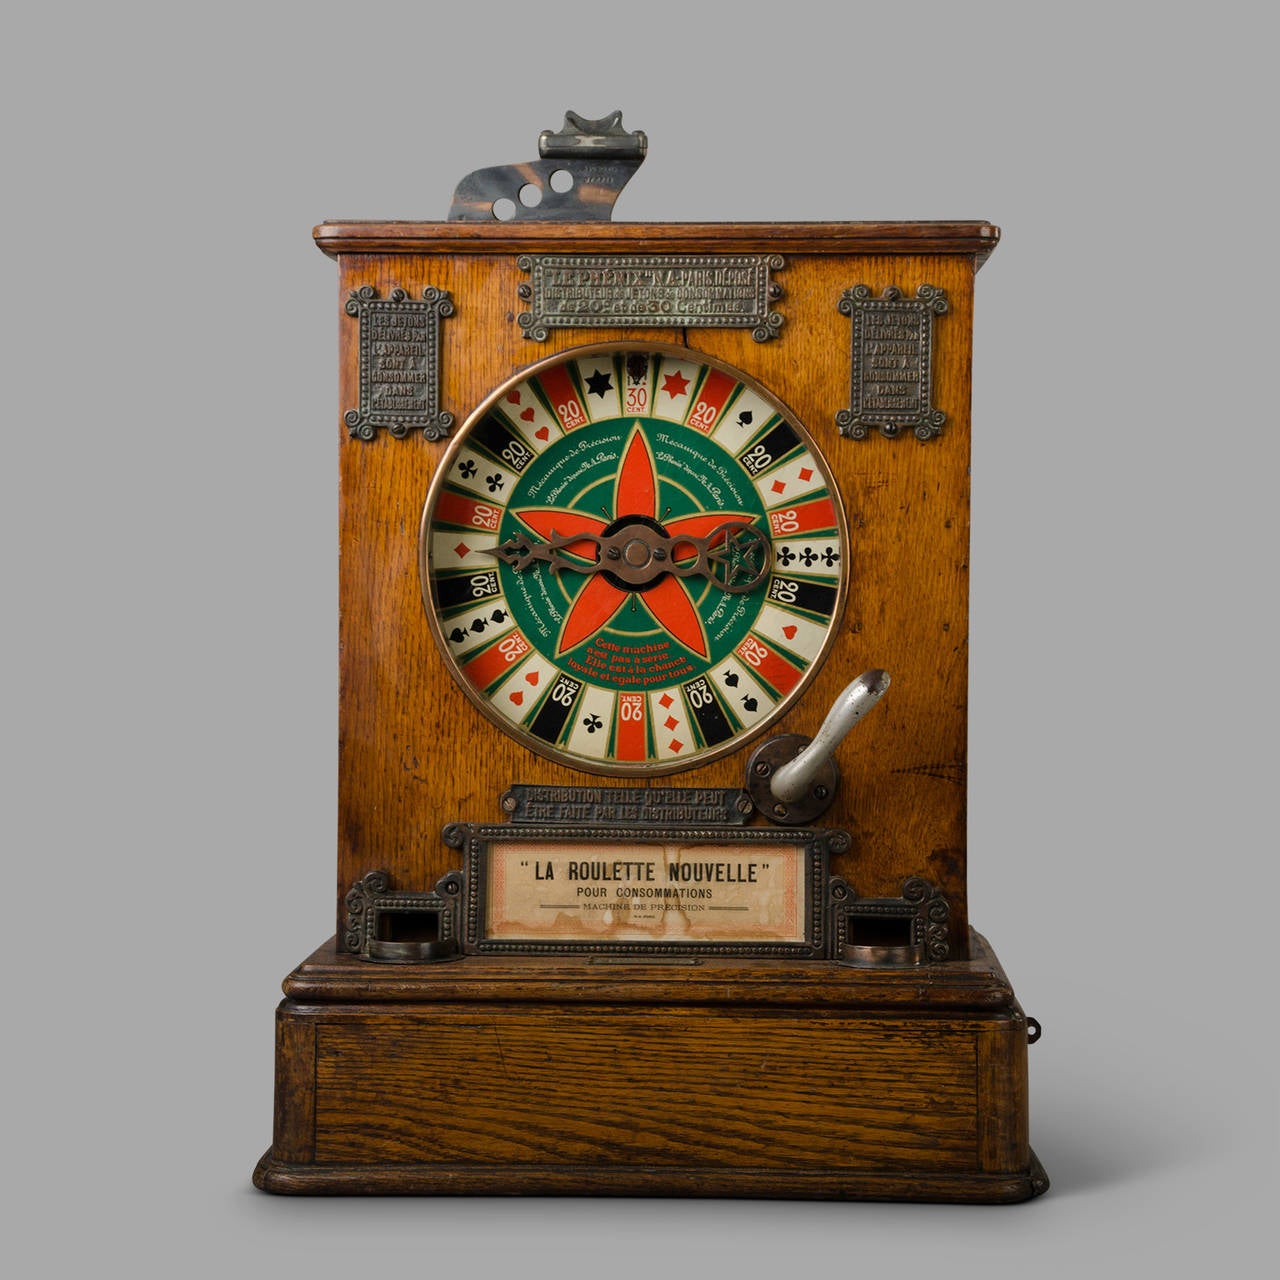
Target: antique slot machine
(638, 521)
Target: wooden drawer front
(657, 1087)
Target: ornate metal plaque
(399, 363)
(892, 365)
(665, 891)
(720, 291)
(628, 806)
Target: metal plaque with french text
(628, 806)
(399, 363)
(721, 291)
(891, 385)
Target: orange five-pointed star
(635, 494)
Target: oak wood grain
(641, 1180)
(414, 755)
(598, 1085)
(1002, 1092)
(978, 983)
(478, 1078)
(641, 1076)
(295, 1099)
(977, 239)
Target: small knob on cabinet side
(791, 779)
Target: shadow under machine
(636, 520)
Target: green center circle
(579, 473)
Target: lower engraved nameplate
(628, 806)
(750, 891)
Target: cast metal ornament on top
(581, 169)
(399, 354)
(891, 365)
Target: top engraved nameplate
(721, 291)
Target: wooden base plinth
(556, 1075)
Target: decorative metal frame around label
(627, 298)
(458, 904)
(364, 422)
(474, 842)
(921, 417)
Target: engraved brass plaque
(720, 291)
(399, 363)
(628, 806)
(892, 366)
(672, 891)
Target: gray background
(168, 503)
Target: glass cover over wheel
(633, 558)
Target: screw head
(820, 792)
(762, 768)
(779, 810)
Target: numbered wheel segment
(633, 559)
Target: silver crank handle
(793, 779)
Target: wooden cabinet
(624, 1073)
